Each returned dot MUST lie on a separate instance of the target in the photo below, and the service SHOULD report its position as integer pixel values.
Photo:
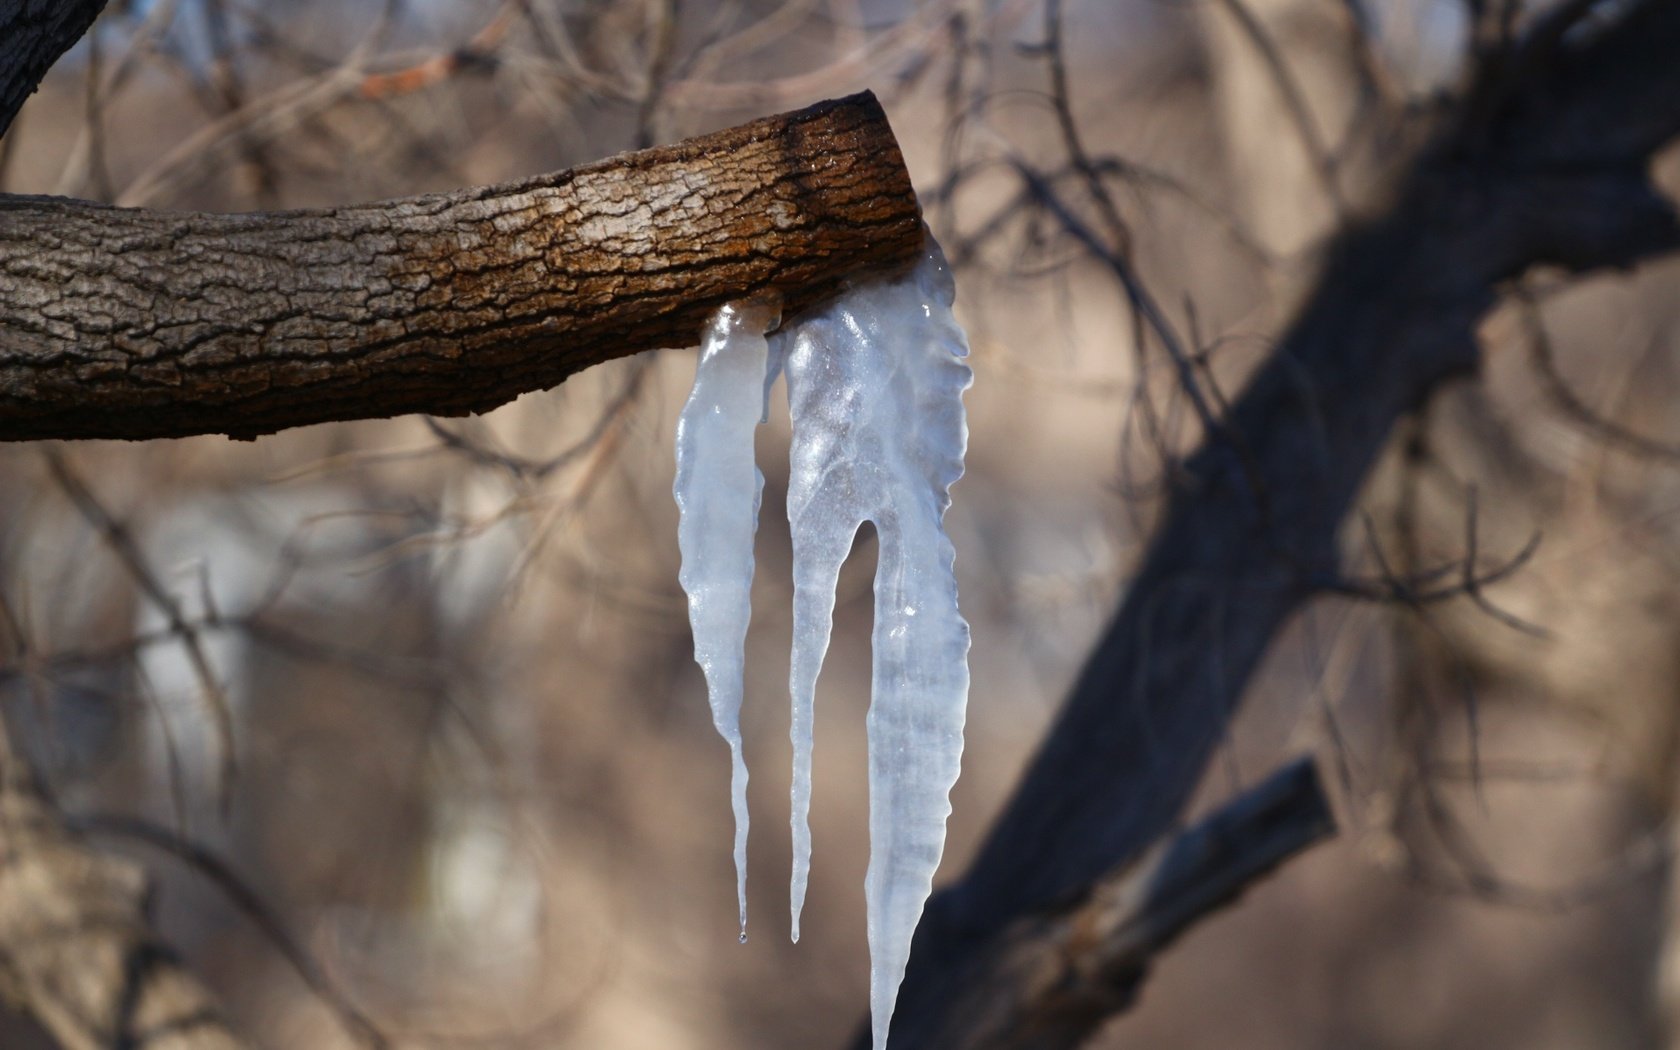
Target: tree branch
(1057, 976)
(1553, 170)
(124, 323)
(33, 34)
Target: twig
(122, 544)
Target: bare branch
(1058, 976)
(138, 324)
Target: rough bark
(33, 34)
(122, 323)
(76, 951)
(1548, 165)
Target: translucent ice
(875, 383)
(717, 489)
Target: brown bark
(76, 951)
(33, 33)
(121, 323)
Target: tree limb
(1551, 171)
(33, 34)
(1056, 977)
(122, 323)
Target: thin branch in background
(361, 1029)
(1473, 584)
(481, 53)
(521, 469)
(226, 80)
(85, 163)
(1469, 872)
(1412, 681)
(1146, 313)
(122, 544)
(1316, 665)
(99, 173)
(660, 57)
(1116, 256)
(1378, 84)
(1072, 140)
(1294, 103)
(1543, 355)
(258, 121)
(1416, 588)
(905, 44)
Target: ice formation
(717, 489)
(875, 382)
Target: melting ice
(875, 382)
(717, 490)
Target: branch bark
(122, 323)
(33, 34)
(1551, 169)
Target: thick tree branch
(1551, 170)
(125, 323)
(1056, 977)
(33, 34)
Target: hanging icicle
(875, 382)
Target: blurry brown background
(478, 783)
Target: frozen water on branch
(717, 490)
(875, 382)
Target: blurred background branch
(76, 947)
(1058, 976)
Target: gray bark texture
(1546, 162)
(125, 323)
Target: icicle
(875, 383)
(718, 490)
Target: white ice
(875, 383)
(718, 489)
